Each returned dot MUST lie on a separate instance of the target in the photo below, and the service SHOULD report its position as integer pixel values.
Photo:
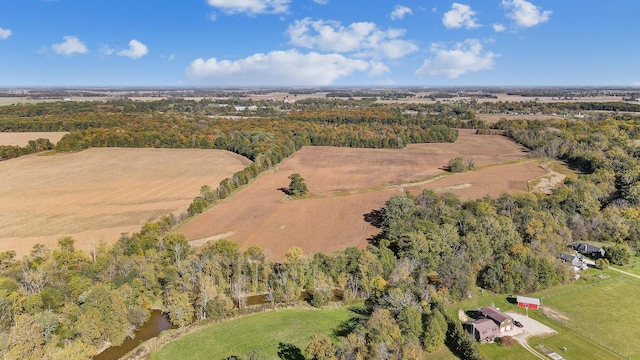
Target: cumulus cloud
(400, 11)
(5, 33)
(71, 45)
(251, 7)
(363, 39)
(499, 28)
(464, 57)
(277, 68)
(525, 14)
(136, 50)
(460, 16)
(378, 68)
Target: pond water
(158, 322)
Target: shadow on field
(289, 352)
(375, 217)
(360, 313)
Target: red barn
(528, 302)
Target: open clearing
(22, 138)
(99, 193)
(260, 332)
(605, 312)
(346, 184)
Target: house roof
(495, 314)
(567, 257)
(483, 325)
(587, 248)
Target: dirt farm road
(624, 272)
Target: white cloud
(71, 45)
(460, 16)
(364, 39)
(635, 84)
(136, 50)
(378, 68)
(5, 33)
(499, 28)
(171, 57)
(321, 2)
(105, 50)
(464, 57)
(525, 14)
(277, 68)
(400, 11)
(251, 7)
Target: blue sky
(229, 43)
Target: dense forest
(432, 250)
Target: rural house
(588, 250)
(504, 321)
(575, 261)
(482, 330)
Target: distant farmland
(22, 138)
(346, 184)
(99, 193)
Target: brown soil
(555, 314)
(22, 139)
(97, 194)
(346, 184)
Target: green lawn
(606, 311)
(633, 267)
(496, 352)
(262, 332)
(578, 347)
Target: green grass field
(606, 311)
(262, 332)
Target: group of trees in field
(458, 165)
(433, 250)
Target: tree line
(432, 250)
(33, 146)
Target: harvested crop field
(99, 193)
(347, 184)
(22, 138)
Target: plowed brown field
(346, 184)
(97, 194)
(22, 139)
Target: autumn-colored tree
(320, 348)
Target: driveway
(530, 328)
